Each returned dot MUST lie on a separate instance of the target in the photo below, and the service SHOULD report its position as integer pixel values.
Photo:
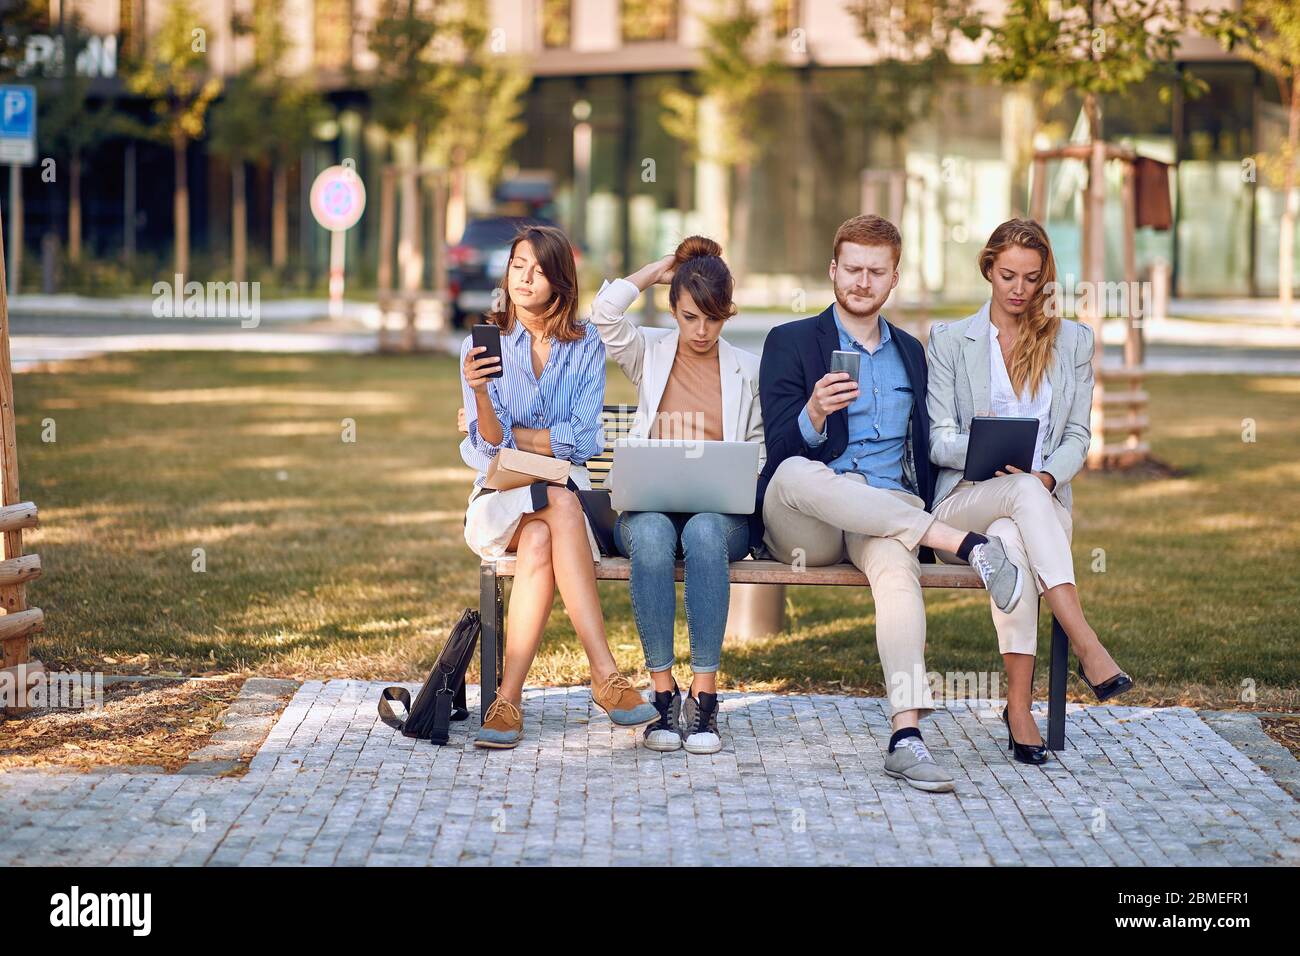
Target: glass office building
(606, 64)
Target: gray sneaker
(700, 724)
(911, 761)
(1001, 577)
(665, 735)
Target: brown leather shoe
(503, 726)
(625, 706)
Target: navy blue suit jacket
(795, 356)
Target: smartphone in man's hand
(489, 337)
(844, 361)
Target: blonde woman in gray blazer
(1016, 357)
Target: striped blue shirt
(566, 399)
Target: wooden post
(13, 592)
(1133, 316)
(1038, 200)
(1133, 310)
(1094, 273)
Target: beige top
(691, 407)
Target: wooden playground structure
(17, 621)
(1119, 402)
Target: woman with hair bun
(692, 385)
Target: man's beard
(841, 299)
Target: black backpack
(442, 698)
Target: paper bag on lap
(512, 468)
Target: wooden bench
(749, 571)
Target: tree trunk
(279, 215)
(410, 248)
(238, 222)
(74, 208)
(457, 213)
(738, 254)
(1286, 246)
(181, 207)
(128, 203)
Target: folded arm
(581, 436)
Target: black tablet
(998, 442)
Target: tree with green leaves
(722, 123)
(234, 132)
(264, 112)
(1267, 34)
(174, 74)
(21, 20)
(445, 87)
(70, 127)
(912, 41)
(295, 110)
(483, 91)
(1092, 49)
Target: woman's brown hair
(555, 256)
(698, 269)
(1032, 350)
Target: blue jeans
(707, 543)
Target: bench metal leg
(1056, 687)
(491, 638)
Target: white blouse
(1006, 403)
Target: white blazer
(646, 356)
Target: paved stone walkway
(799, 782)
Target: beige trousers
(1035, 528)
(814, 517)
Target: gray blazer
(958, 356)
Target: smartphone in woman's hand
(489, 337)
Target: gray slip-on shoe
(911, 761)
(1000, 575)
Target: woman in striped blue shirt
(547, 401)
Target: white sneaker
(700, 724)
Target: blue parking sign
(17, 125)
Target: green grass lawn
(329, 558)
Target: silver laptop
(686, 476)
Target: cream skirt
(491, 520)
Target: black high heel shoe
(1035, 754)
(1111, 687)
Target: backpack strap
(402, 696)
(439, 733)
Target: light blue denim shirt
(878, 417)
(566, 399)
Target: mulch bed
(1285, 730)
(141, 723)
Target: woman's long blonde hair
(1032, 351)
